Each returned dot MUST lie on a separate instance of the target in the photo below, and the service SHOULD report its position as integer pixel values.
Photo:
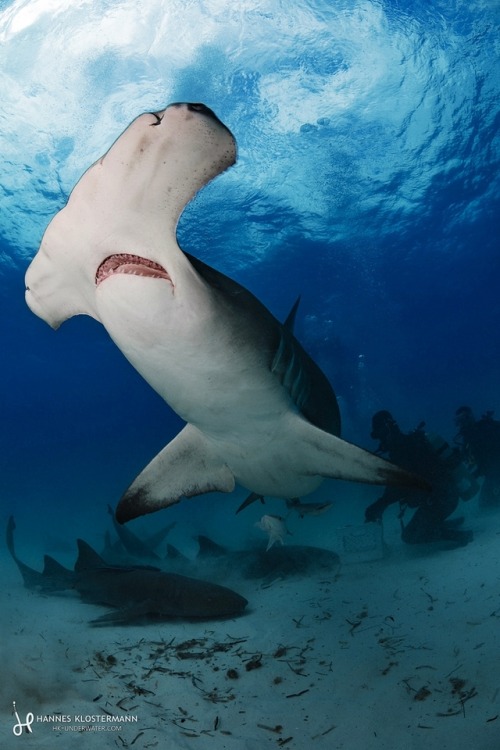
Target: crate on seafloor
(361, 543)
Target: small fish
(274, 527)
(307, 509)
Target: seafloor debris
(134, 674)
(422, 694)
(442, 690)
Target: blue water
(367, 182)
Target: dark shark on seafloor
(220, 562)
(259, 410)
(138, 593)
(146, 592)
(217, 562)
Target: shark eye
(158, 119)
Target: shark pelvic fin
(184, 468)
(252, 497)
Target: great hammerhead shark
(259, 410)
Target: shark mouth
(130, 264)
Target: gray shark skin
(259, 411)
(54, 576)
(143, 592)
(139, 593)
(307, 509)
(135, 546)
(278, 562)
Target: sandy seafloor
(401, 652)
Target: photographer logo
(18, 728)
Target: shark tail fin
(53, 568)
(31, 578)
(11, 526)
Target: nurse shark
(258, 410)
(136, 592)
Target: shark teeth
(126, 263)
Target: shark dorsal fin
(290, 320)
(208, 548)
(174, 554)
(87, 557)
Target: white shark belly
(195, 364)
(204, 379)
(268, 461)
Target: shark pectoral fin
(186, 467)
(329, 456)
(123, 615)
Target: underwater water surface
(367, 183)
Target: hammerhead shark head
(137, 592)
(259, 410)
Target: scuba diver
(479, 444)
(416, 452)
